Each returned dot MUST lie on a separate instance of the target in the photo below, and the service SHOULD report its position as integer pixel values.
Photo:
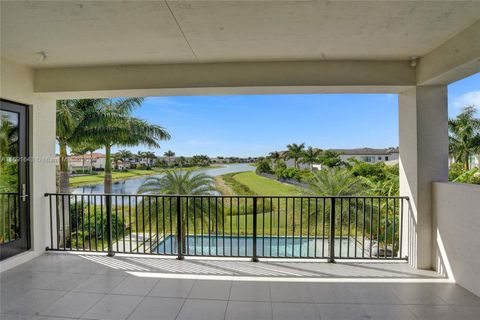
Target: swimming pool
(242, 246)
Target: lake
(131, 186)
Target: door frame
(24, 243)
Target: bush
(455, 171)
(263, 167)
(81, 171)
(289, 173)
(470, 176)
(376, 171)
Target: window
(386, 158)
(379, 158)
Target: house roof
(365, 151)
(87, 156)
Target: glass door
(14, 202)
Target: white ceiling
(77, 33)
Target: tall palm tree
(111, 123)
(295, 152)
(310, 156)
(169, 154)
(182, 183)
(69, 118)
(335, 182)
(464, 137)
(70, 122)
(276, 157)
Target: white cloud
(467, 99)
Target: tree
(295, 152)
(275, 156)
(8, 148)
(123, 155)
(331, 159)
(335, 182)
(70, 122)
(182, 183)
(110, 123)
(69, 118)
(310, 156)
(464, 137)
(263, 167)
(200, 160)
(182, 161)
(84, 148)
(169, 154)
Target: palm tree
(179, 182)
(82, 149)
(182, 183)
(123, 155)
(310, 156)
(169, 154)
(335, 182)
(111, 123)
(69, 117)
(70, 121)
(295, 152)
(150, 156)
(464, 137)
(276, 157)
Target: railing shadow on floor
(265, 270)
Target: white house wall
(456, 208)
(16, 83)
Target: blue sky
(254, 125)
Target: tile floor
(86, 286)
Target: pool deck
(93, 286)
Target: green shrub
(264, 167)
(455, 170)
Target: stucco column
(423, 125)
(42, 168)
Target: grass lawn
(98, 178)
(264, 186)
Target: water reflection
(131, 186)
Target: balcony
(409, 49)
(161, 263)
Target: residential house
(369, 155)
(94, 161)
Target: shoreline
(152, 172)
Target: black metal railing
(230, 226)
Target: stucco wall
(456, 211)
(16, 84)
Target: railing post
(108, 205)
(254, 257)
(179, 230)
(332, 230)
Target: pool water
(266, 247)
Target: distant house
(369, 155)
(76, 163)
(473, 161)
